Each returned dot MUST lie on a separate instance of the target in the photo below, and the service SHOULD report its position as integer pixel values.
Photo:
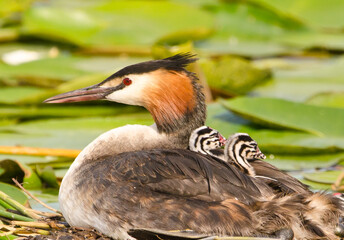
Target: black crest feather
(180, 60)
(175, 63)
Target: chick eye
(127, 81)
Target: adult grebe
(122, 180)
(118, 183)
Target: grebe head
(164, 87)
(241, 148)
(204, 139)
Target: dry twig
(33, 197)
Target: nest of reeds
(21, 222)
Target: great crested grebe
(241, 148)
(143, 176)
(206, 140)
(241, 151)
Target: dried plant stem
(18, 206)
(2, 234)
(43, 225)
(41, 232)
(33, 197)
(39, 151)
(339, 179)
(46, 214)
(337, 184)
(29, 231)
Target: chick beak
(222, 140)
(259, 154)
(90, 93)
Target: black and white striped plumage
(206, 140)
(241, 149)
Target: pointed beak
(259, 154)
(94, 92)
(222, 140)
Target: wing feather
(186, 173)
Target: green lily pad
(14, 193)
(312, 39)
(232, 75)
(273, 141)
(292, 142)
(23, 173)
(299, 79)
(303, 162)
(317, 186)
(250, 21)
(52, 71)
(9, 34)
(277, 113)
(325, 177)
(10, 95)
(32, 161)
(48, 176)
(48, 72)
(60, 172)
(103, 25)
(8, 7)
(328, 99)
(244, 47)
(248, 29)
(225, 121)
(314, 12)
(66, 133)
(65, 111)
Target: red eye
(127, 81)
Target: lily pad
(32, 160)
(248, 29)
(66, 133)
(299, 79)
(65, 111)
(14, 193)
(227, 123)
(24, 174)
(48, 176)
(273, 141)
(50, 72)
(293, 142)
(251, 21)
(47, 72)
(103, 26)
(303, 162)
(232, 75)
(325, 177)
(244, 47)
(312, 39)
(317, 186)
(277, 113)
(328, 99)
(316, 13)
(10, 95)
